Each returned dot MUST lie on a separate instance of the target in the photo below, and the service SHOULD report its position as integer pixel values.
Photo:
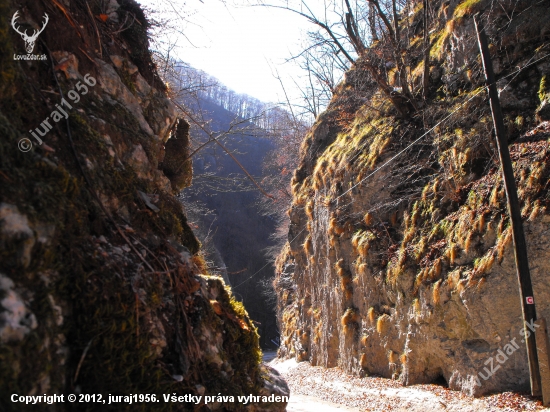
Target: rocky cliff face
(102, 289)
(402, 266)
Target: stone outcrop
(406, 269)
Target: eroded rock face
(16, 320)
(115, 89)
(15, 229)
(408, 272)
(102, 289)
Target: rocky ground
(316, 389)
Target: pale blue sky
(241, 46)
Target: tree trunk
(372, 23)
(426, 74)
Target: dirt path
(315, 389)
(305, 403)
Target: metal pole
(520, 247)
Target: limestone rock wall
(409, 272)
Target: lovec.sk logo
(30, 41)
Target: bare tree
(323, 71)
(370, 30)
(426, 73)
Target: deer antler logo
(29, 40)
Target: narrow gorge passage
(188, 224)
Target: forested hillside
(243, 151)
(226, 205)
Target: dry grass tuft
(334, 227)
(435, 293)
(383, 324)
(371, 314)
(537, 209)
(309, 209)
(364, 243)
(435, 271)
(503, 241)
(481, 223)
(461, 285)
(350, 315)
(348, 293)
(367, 219)
(416, 306)
(301, 356)
(468, 242)
(308, 245)
(453, 279)
(355, 239)
(451, 253)
(345, 282)
(317, 313)
(363, 361)
(349, 319)
(409, 235)
(494, 201)
(316, 182)
(485, 264)
(339, 266)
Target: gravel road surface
(316, 389)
